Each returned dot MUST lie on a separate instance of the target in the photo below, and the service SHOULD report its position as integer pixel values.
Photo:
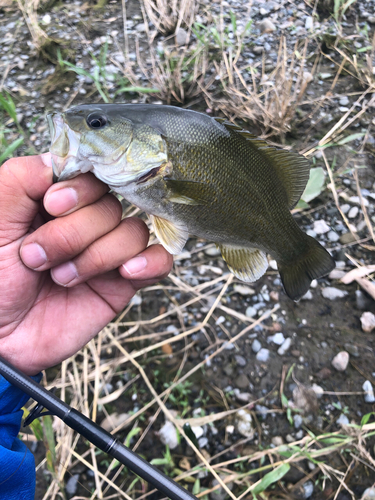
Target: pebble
(298, 421)
(353, 212)
(333, 293)
(251, 312)
(168, 435)
(244, 423)
(220, 493)
(262, 410)
(263, 355)
(347, 238)
(214, 252)
(308, 296)
(361, 300)
(256, 346)
(369, 390)
(242, 382)
(198, 431)
(277, 339)
(340, 361)
(333, 236)
(240, 360)
(356, 201)
(277, 441)
(284, 346)
(368, 321)
(266, 26)
(369, 493)
(345, 208)
(352, 349)
(319, 391)
(242, 397)
(344, 101)
(336, 274)
(243, 290)
(181, 36)
(308, 22)
(308, 489)
(321, 227)
(342, 420)
(141, 27)
(72, 485)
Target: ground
(302, 76)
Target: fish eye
(96, 121)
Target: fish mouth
(64, 148)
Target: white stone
(342, 420)
(321, 227)
(333, 293)
(368, 321)
(244, 423)
(353, 212)
(251, 312)
(277, 338)
(284, 346)
(263, 355)
(319, 391)
(340, 361)
(256, 346)
(46, 19)
(357, 201)
(368, 494)
(308, 296)
(273, 264)
(198, 431)
(369, 390)
(336, 274)
(243, 290)
(332, 236)
(181, 36)
(308, 22)
(168, 435)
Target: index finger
(23, 182)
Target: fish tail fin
(314, 263)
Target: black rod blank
(94, 433)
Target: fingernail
(47, 159)
(64, 273)
(61, 201)
(134, 266)
(33, 255)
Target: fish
(194, 174)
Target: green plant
(8, 109)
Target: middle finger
(63, 238)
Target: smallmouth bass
(195, 174)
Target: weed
(167, 16)
(9, 142)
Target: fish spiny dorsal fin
(293, 169)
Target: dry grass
(169, 15)
(29, 12)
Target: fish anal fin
(172, 236)
(292, 169)
(247, 264)
(189, 192)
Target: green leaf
(196, 487)
(350, 138)
(49, 436)
(366, 418)
(315, 184)
(270, 478)
(141, 90)
(131, 434)
(10, 149)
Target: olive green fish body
(198, 175)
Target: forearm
(17, 467)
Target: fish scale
(195, 174)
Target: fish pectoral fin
(247, 264)
(189, 192)
(172, 236)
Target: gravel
(340, 361)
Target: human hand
(63, 279)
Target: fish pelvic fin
(293, 169)
(313, 264)
(172, 236)
(247, 264)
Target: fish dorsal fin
(172, 236)
(247, 264)
(292, 169)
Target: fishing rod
(91, 431)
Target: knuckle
(137, 230)
(109, 208)
(65, 241)
(96, 259)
